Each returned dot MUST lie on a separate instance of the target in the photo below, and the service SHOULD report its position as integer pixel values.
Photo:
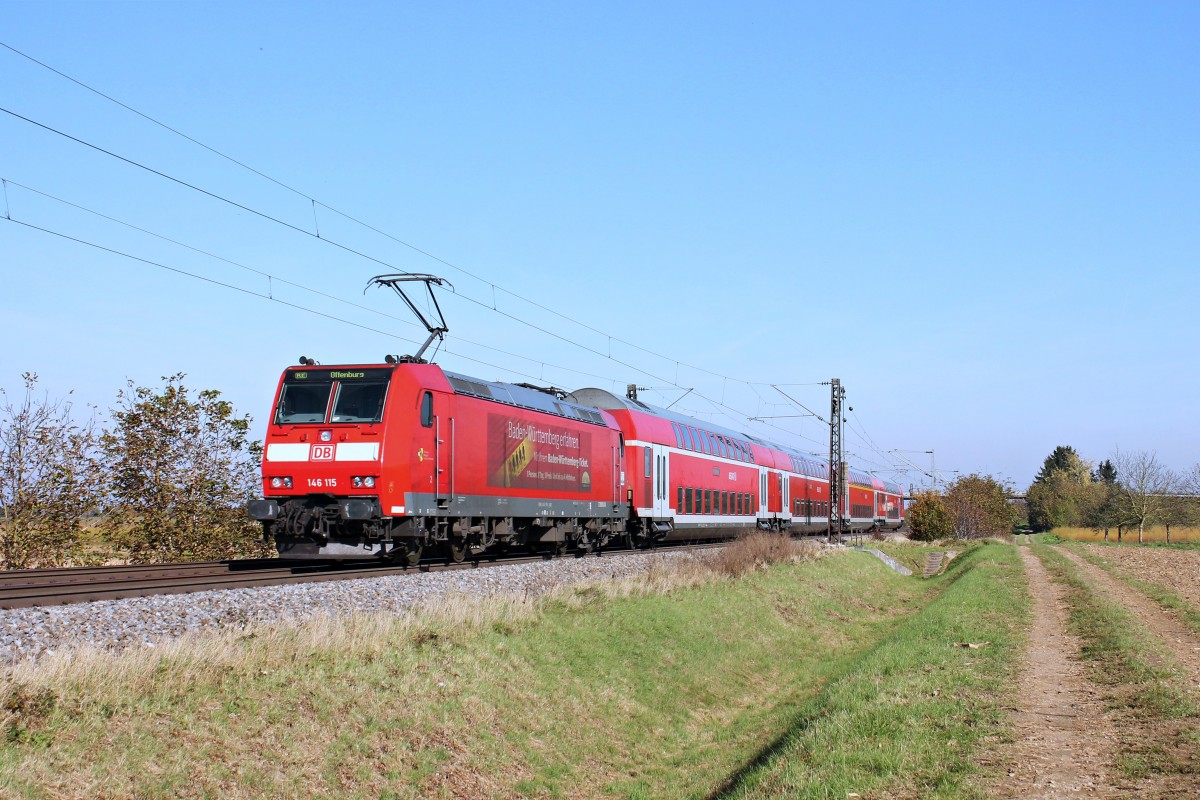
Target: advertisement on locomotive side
(522, 454)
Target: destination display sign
(337, 374)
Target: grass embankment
(1163, 595)
(810, 678)
(1158, 723)
(1155, 534)
(907, 716)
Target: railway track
(49, 587)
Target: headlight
(287, 483)
(276, 483)
(356, 482)
(369, 482)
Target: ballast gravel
(27, 633)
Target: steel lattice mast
(837, 468)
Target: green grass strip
(907, 716)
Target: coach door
(662, 485)
(774, 492)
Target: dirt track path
(1064, 741)
(1182, 643)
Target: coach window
(687, 501)
(648, 470)
(427, 410)
(679, 500)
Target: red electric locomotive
(385, 460)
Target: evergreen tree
(1060, 495)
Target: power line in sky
(315, 202)
(720, 405)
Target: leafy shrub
(928, 518)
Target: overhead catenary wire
(723, 408)
(272, 278)
(314, 202)
(333, 243)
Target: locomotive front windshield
(358, 396)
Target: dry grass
(1156, 534)
(471, 697)
(209, 654)
(759, 550)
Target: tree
(928, 518)
(49, 480)
(1100, 509)
(1065, 460)
(182, 470)
(1142, 488)
(1105, 473)
(978, 507)
(1177, 509)
(1058, 495)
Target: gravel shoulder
(1063, 737)
(114, 625)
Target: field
(1156, 534)
(826, 677)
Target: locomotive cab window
(359, 402)
(303, 402)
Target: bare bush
(49, 480)
(757, 550)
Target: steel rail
(47, 587)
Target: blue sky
(981, 217)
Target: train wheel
(412, 556)
(458, 550)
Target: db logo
(321, 452)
